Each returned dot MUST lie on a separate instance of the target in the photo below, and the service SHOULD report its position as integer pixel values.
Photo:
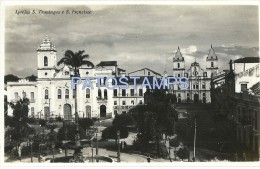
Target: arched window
(105, 93)
(46, 93)
(59, 93)
(45, 61)
(87, 93)
(178, 65)
(99, 93)
(67, 94)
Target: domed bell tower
(46, 54)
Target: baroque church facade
(51, 95)
(199, 79)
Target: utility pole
(195, 133)
(97, 145)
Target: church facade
(199, 79)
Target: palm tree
(75, 61)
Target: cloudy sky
(136, 36)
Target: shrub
(71, 132)
(183, 153)
(111, 132)
(86, 123)
(42, 122)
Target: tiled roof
(147, 69)
(256, 88)
(107, 63)
(247, 60)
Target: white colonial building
(52, 96)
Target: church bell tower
(178, 64)
(46, 54)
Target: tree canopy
(10, 78)
(156, 117)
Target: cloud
(136, 36)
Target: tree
(20, 109)
(19, 121)
(123, 120)
(111, 132)
(85, 123)
(174, 141)
(68, 132)
(75, 61)
(183, 153)
(11, 78)
(42, 122)
(32, 78)
(156, 117)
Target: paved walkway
(124, 157)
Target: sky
(136, 36)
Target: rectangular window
(32, 111)
(140, 92)
(132, 92)
(32, 95)
(243, 87)
(115, 102)
(132, 102)
(123, 102)
(179, 75)
(87, 93)
(59, 93)
(73, 94)
(194, 87)
(197, 86)
(203, 86)
(115, 92)
(67, 94)
(123, 92)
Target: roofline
(143, 69)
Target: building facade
(235, 94)
(199, 79)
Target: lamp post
(53, 146)
(169, 149)
(66, 133)
(118, 153)
(30, 144)
(97, 144)
(195, 135)
(92, 157)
